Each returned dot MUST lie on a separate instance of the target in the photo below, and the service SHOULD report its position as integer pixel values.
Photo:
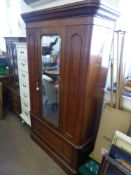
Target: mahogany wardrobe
(68, 56)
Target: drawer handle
(25, 95)
(22, 64)
(25, 105)
(26, 113)
(24, 85)
(22, 52)
(23, 75)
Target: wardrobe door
(75, 72)
(33, 71)
(51, 42)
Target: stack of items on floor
(90, 167)
(118, 160)
(3, 65)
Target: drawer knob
(22, 64)
(24, 85)
(22, 52)
(26, 113)
(25, 105)
(23, 75)
(25, 95)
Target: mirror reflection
(50, 49)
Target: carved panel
(72, 63)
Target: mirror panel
(50, 58)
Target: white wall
(26, 8)
(4, 25)
(13, 25)
(114, 3)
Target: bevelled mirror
(50, 55)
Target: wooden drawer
(21, 52)
(13, 99)
(55, 143)
(15, 110)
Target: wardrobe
(68, 55)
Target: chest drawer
(24, 94)
(25, 105)
(14, 103)
(25, 112)
(25, 115)
(22, 65)
(24, 85)
(22, 52)
(23, 76)
(12, 98)
(53, 141)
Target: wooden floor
(19, 155)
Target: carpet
(19, 155)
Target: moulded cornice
(77, 9)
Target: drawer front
(23, 76)
(22, 65)
(25, 105)
(24, 94)
(62, 148)
(24, 85)
(25, 111)
(13, 98)
(25, 115)
(14, 103)
(21, 52)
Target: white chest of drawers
(23, 81)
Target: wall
(114, 3)
(25, 8)
(12, 24)
(4, 24)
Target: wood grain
(85, 47)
